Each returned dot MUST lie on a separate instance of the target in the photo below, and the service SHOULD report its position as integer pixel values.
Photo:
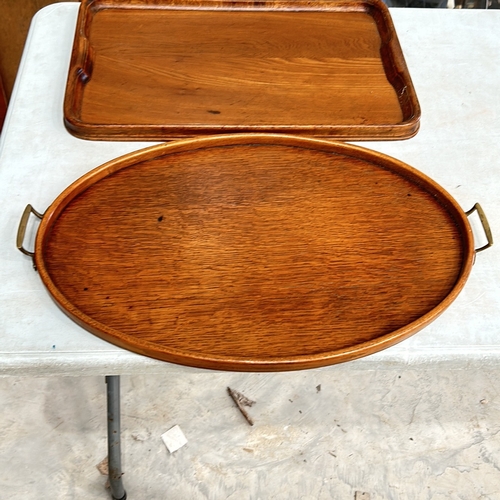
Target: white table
(454, 60)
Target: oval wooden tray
(254, 252)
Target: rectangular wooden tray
(169, 69)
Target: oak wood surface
(169, 69)
(3, 104)
(15, 18)
(254, 252)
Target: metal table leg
(114, 447)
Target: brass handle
(486, 226)
(22, 229)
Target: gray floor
(320, 434)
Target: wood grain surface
(16, 16)
(170, 69)
(254, 252)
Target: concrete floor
(321, 434)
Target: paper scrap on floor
(174, 439)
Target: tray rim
(236, 363)
(80, 71)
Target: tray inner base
(255, 251)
